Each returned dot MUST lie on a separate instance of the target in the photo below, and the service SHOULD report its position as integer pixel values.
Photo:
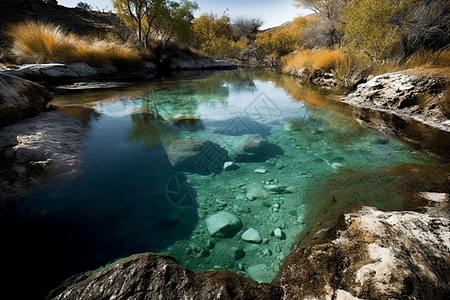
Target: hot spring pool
(130, 199)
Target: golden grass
(324, 59)
(37, 42)
(429, 59)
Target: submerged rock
(223, 224)
(260, 273)
(20, 98)
(256, 191)
(252, 235)
(256, 149)
(198, 156)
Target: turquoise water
(130, 199)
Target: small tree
(212, 34)
(367, 24)
(325, 32)
(165, 18)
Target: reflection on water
(130, 198)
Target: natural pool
(130, 199)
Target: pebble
(229, 165)
(278, 233)
(252, 236)
(261, 171)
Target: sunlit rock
(20, 99)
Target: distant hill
(288, 24)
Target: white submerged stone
(252, 236)
(223, 224)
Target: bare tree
(246, 28)
(325, 32)
(425, 26)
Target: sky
(273, 13)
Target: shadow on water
(125, 202)
(419, 135)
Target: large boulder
(20, 98)
(198, 156)
(373, 255)
(408, 96)
(223, 224)
(153, 276)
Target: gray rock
(20, 99)
(199, 63)
(252, 235)
(224, 224)
(256, 191)
(197, 156)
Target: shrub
(36, 42)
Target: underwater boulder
(256, 149)
(223, 224)
(198, 156)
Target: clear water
(130, 199)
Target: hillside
(75, 20)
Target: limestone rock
(198, 156)
(252, 235)
(378, 255)
(399, 94)
(20, 99)
(223, 224)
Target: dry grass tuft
(429, 59)
(37, 42)
(324, 59)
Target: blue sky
(273, 13)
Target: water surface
(130, 199)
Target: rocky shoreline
(369, 254)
